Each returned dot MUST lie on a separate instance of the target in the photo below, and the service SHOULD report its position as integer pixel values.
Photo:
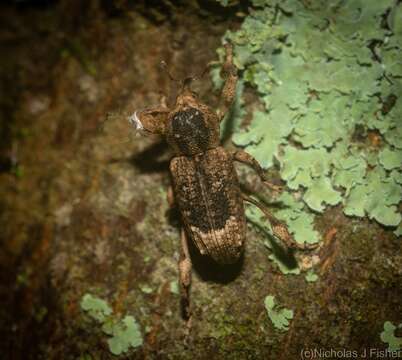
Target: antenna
(186, 82)
(164, 67)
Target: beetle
(205, 184)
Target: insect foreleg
(229, 73)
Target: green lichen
(320, 193)
(223, 2)
(300, 222)
(280, 317)
(391, 159)
(85, 357)
(388, 336)
(286, 264)
(125, 333)
(311, 276)
(377, 196)
(398, 231)
(174, 287)
(263, 148)
(323, 90)
(146, 289)
(96, 308)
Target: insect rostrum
(205, 184)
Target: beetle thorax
(189, 133)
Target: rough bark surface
(85, 211)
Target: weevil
(205, 184)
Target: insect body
(205, 183)
(210, 202)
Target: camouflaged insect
(205, 183)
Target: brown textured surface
(192, 141)
(208, 195)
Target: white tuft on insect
(135, 121)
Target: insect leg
(229, 72)
(184, 264)
(185, 275)
(247, 159)
(170, 197)
(279, 229)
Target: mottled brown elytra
(205, 184)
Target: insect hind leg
(185, 267)
(279, 229)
